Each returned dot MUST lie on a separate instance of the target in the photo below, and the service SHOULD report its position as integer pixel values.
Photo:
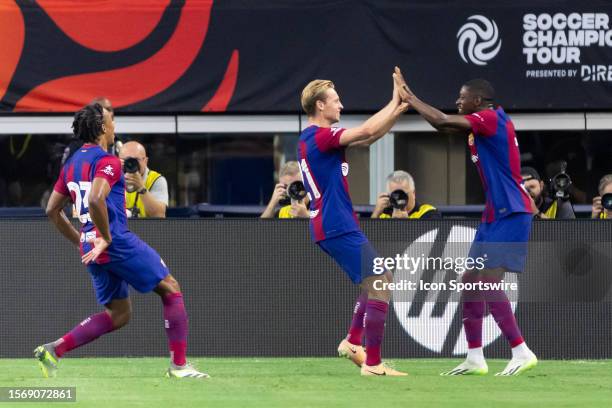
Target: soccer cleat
(186, 371)
(468, 368)
(47, 359)
(517, 366)
(354, 353)
(381, 369)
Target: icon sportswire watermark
(430, 313)
(479, 40)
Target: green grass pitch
(312, 382)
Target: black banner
(239, 56)
(262, 288)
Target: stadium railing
(204, 210)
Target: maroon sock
(500, 308)
(87, 331)
(356, 330)
(473, 312)
(176, 324)
(375, 315)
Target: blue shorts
(143, 271)
(353, 252)
(503, 243)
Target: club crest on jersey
(108, 170)
(471, 139)
(345, 169)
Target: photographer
(602, 204)
(146, 191)
(400, 200)
(558, 207)
(289, 194)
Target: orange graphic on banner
(221, 98)
(134, 83)
(110, 25)
(12, 31)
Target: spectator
(288, 174)
(146, 190)
(547, 208)
(599, 210)
(388, 206)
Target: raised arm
(378, 124)
(435, 117)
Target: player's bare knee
(120, 311)
(122, 318)
(167, 286)
(377, 287)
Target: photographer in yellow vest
(400, 200)
(146, 191)
(602, 204)
(282, 204)
(548, 207)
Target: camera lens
(398, 199)
(296, 190)
(130, 165)
(606, 201)
(561, 182)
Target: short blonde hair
(290, 168)
(313, 92)
(603, 183)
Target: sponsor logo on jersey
(108, 170)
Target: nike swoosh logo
(353, 350)
(375, 373)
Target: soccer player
(506, 221)
(333, 223)
(115, 257)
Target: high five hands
(406, 95)
(402, 103)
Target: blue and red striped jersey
(76, 180)
(324, 170)
(495, 152)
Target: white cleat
(519, 365)
(186, 371)
(468, 368)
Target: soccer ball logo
(479, 40)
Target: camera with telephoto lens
(606, 201)
(560, 183)
(295, 191)
(398, 199)
(130, 165)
